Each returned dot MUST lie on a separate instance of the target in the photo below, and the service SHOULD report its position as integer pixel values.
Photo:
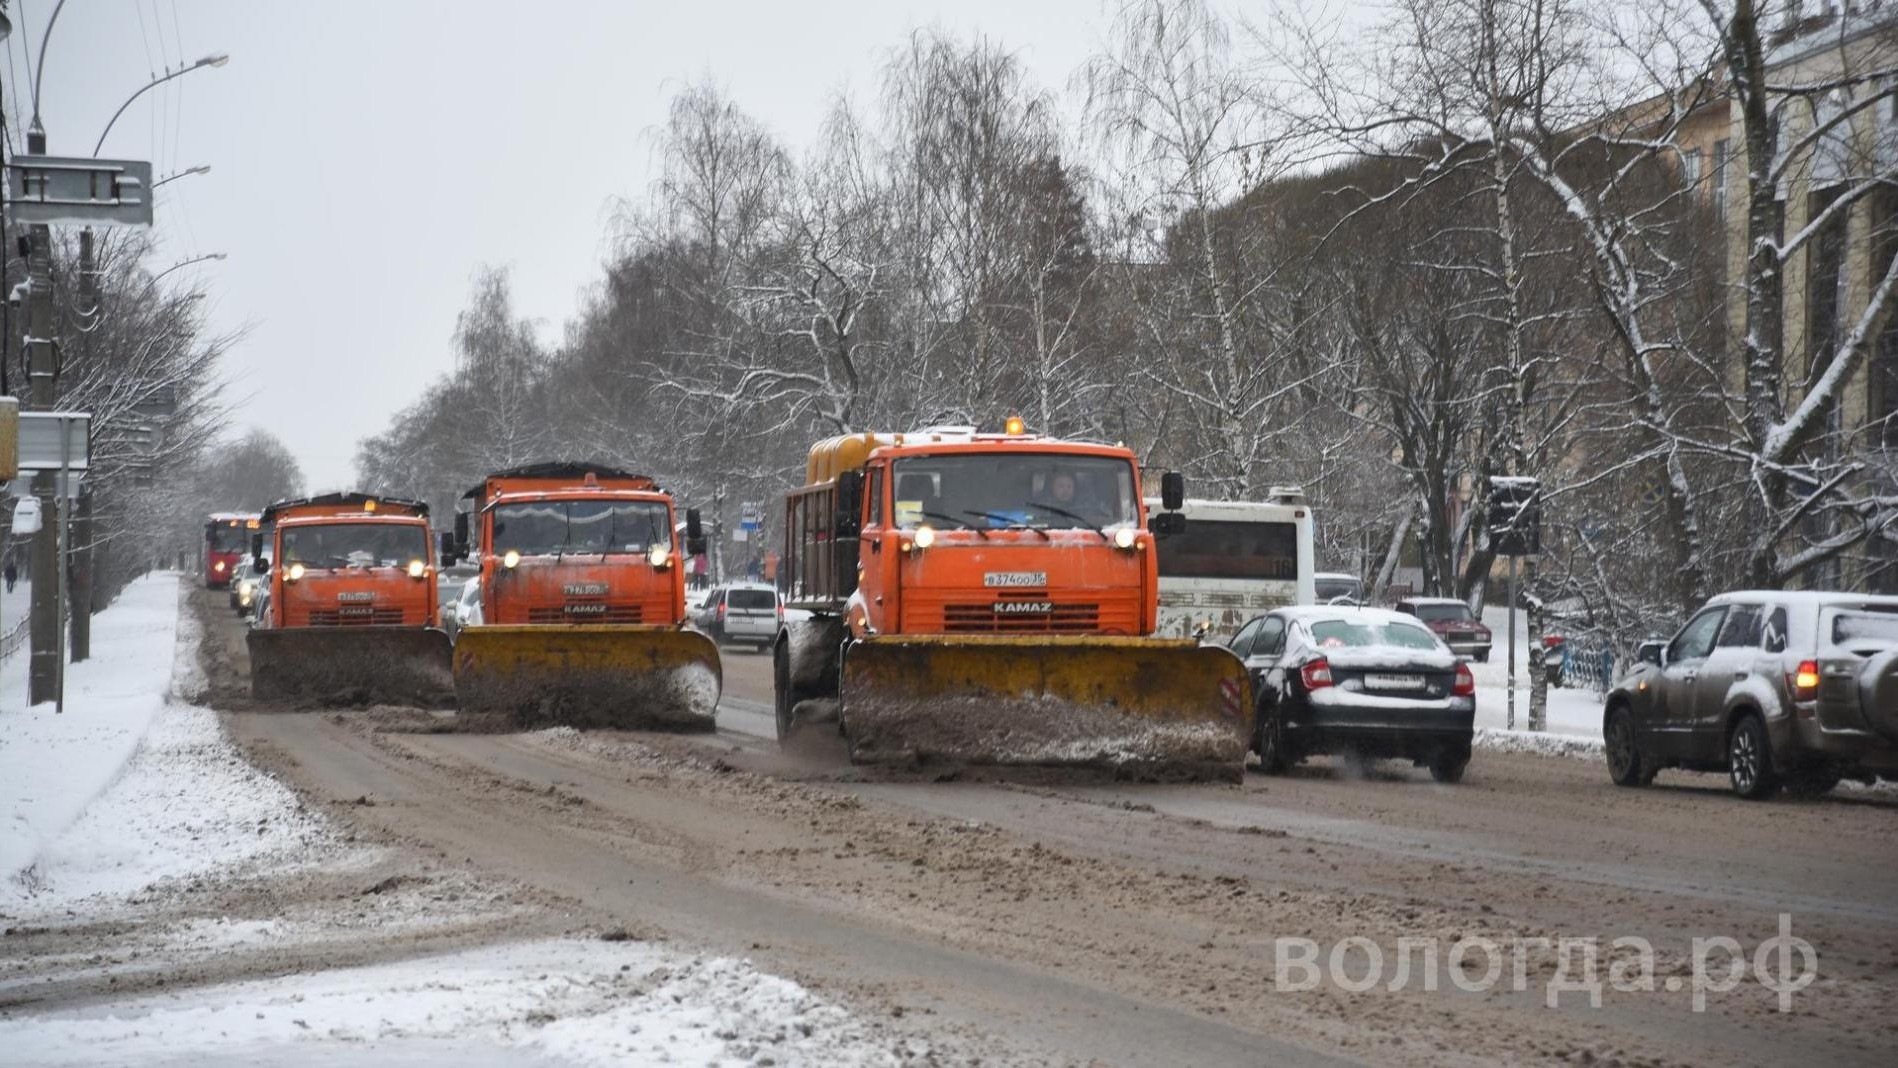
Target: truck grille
(983, 618)
(587, 612)
(348, 617)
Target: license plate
(356, 597)
(584, 589)
(1393, 682)
(1012, 579)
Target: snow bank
(561, 1001)
(53, 766)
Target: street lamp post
(202, 168)
(208, 61)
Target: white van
(1236, 560)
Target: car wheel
(1812, 783)
(1447, 765)
(1268, 740)
(1750, 760)
(1627, 765)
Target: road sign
(751, 516)
(1515, 516)
(63, 190)
(40, 445)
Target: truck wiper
(1008, 521)
(960, 525)
(1065, 514)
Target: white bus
(1236, 560)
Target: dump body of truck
(991, 598)
(352, 615)
(582, 606)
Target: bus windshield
(998, 490)
(544, 528)
(1231, 549)
(225, 538)
(337, 545)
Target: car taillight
(780, 611)
(1804, 681)
(721, 611)
(1317, 674)
(1465, 681)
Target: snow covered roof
(1431, 600)
(1308, 613)
(1804, 597)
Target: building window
(1690, 167)
(1717, 185)
(1882, 401)
(1825, 263)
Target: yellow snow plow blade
(350, 665)
(511, 677)
(1149, 707)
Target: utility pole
(42, 358)
(79, 540)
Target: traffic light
(1515, 516)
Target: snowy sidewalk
(53, 766)
(1574, 716)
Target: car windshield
(1354, 633)
(542, 528)
(335, 545)
(1021, 489)
(1444, 613)
(226, 538)
(1865, 628)
(1327, 589)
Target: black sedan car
(1363, 681)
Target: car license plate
(1393, 682)
(1010, 579)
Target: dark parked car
(1364, 681)
(1776, 689)
(1452, 621)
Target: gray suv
(1777, 689)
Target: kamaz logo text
(586, 609)
(1023, 608)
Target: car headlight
(295, 573)
(925, 537)
(659, 555)
(512, 559)
(1124, 538)
(417, 569)
(217, 566)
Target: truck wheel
(1750, 760)
(1627, 765)
(1447, 764)
(784, 695)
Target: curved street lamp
(177, 266)
(202, 168)
(208, 61)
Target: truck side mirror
(1167, 524)
(849, 522)
(461, 534)
(1172, 491)
(258, 562)
(447, 548)
(694, 533)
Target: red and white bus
(226, 541)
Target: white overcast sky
(367, 156)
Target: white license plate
(1393, 682)
(1009, 579)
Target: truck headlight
(925, 537)
(295, 573)
(417, 569)
(512, 558)
(660, 555)
(1124, 538)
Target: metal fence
(15, 638)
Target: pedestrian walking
(12, 574)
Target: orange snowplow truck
(582, 618)
(990, 598)
(352, 614)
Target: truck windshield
(225, 538)
(1230, 549)
(335, 545)
(1020, 489)
(543, 528)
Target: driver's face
(1064, 488)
